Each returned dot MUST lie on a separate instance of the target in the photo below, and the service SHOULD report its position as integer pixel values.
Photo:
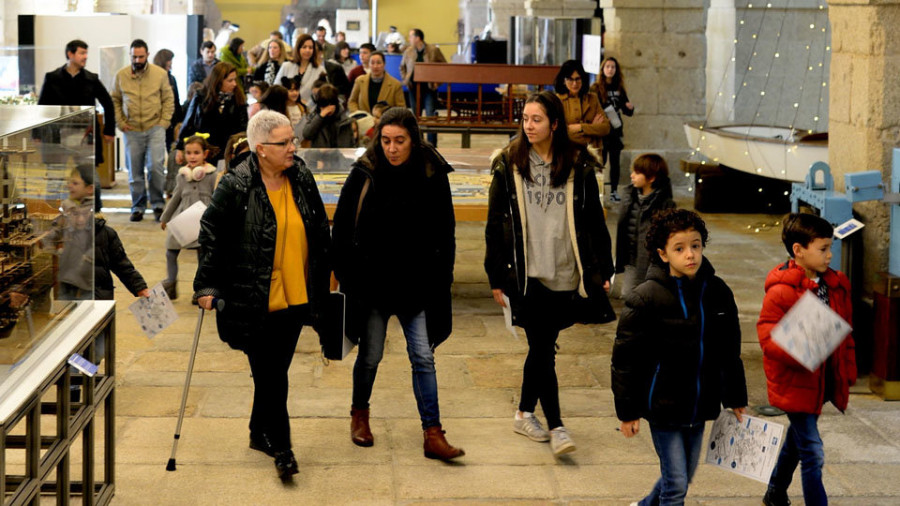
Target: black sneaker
(137, 216)
(773, 498)
(157, 213)
(614, 196)
(286, 464)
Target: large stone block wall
(661, 47)
(864, 121)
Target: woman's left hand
(739, 413)
(606, 286)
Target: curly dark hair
(671, 221)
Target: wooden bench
(491, 114)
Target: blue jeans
(429, 100)
(146, 150)
(421, 357)
(679, 453)
(802, 445)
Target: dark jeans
(545, 310)
(803, 446)
(429, 102)
(270, 358)
(421, 357)
(679, 453)
(614, 156)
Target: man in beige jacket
(419, 51)
(144, 105)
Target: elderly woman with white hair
(264, 242)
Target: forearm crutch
(218, 304)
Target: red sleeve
(849, 345)
(778, 300)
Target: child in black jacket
(676, 358)
(650, 191)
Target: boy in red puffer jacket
(791, 386)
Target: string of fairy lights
(759, 68)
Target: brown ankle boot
(437, 447)
(360, 433)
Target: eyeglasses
(293, 140)
(574, 79)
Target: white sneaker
(635, 503)
(530, 427)
(560, 442)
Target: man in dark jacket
(203, 65)
(73, 84)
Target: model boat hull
(774, 152)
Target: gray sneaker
(530, 427)
(560, 442)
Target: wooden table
(491, 112)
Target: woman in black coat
(264, 245)
(394, 248)
(220, 111)
(548, 252)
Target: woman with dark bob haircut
(548, 252)
(586, 123)
(394, 248)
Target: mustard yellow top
(288, 277)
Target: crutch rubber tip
(171, 465)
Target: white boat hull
(771, 152)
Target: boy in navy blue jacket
(677, 354)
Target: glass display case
(46, 237)
(47, 314)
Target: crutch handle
(218, 304)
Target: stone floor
(479, 372)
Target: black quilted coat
(237, 249)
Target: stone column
(502, 11)
(721, 33)
(560, 8)
(864, 106)
(474, 16)
(661, 47)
